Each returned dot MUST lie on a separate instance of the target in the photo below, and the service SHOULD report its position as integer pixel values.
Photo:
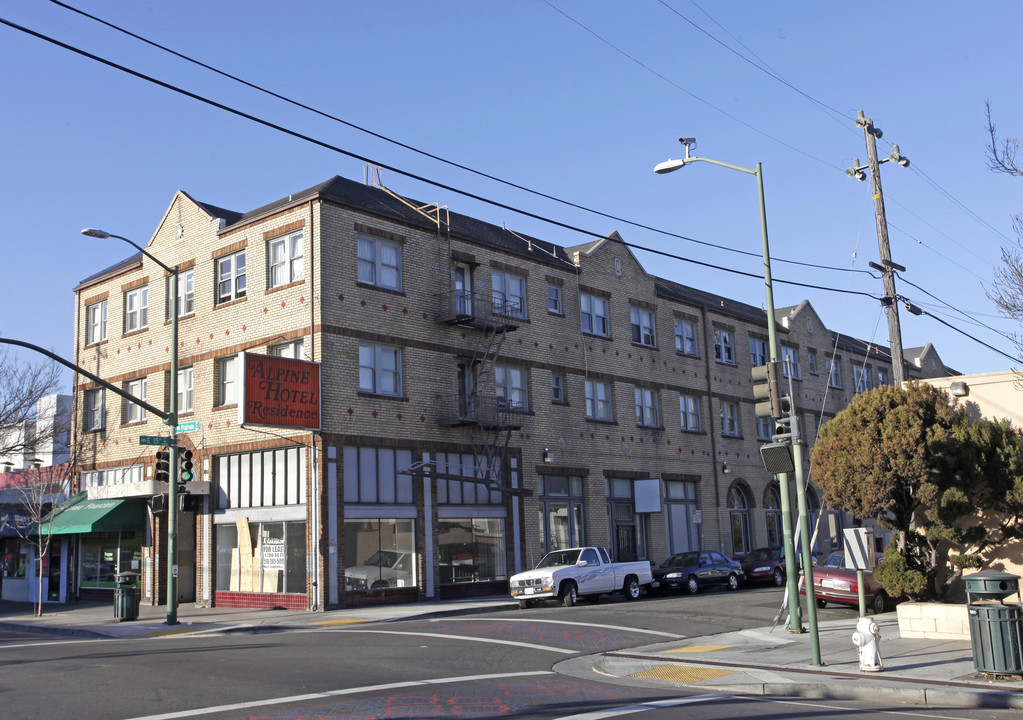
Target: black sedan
(698, 569)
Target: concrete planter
(933, 621)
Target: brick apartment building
(486, 397)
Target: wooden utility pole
(887, 266)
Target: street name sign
(188, 427)
(154, 440)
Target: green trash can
(126, 596)
(996, 628)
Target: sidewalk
(762, 661)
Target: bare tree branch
(1001, 155)
(21, 387)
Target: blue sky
(575, 99)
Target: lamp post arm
(748, 171)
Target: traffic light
(186, 469)
(162, 466)
(772, 401)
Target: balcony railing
(458, 307)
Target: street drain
(682, 673)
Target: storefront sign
(279, 392)
(271, 553)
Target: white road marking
(641, 707)
(530, 646)
(334, 693)
(570, 622)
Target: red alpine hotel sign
(279, 392)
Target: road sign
(154, 440)
(188, 427)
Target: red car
(832, 582)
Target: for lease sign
(279, 392)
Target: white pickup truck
(569, 574)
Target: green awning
(80, 515)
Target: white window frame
(790, 354)
(811, 361)
(689, 410)
(133, 412)
(554, 300)
(96, 322)
(765, 428)
(227, 380)
(136, 309)
(834, 373)
(231, 276)
(186, 294)
(285, 259)
(648, 411)
(508, 290)
(685, 337)
(380, 370)
(186, 394)
(882, 377)
(375, 267)
(294, 349)
(95, 409)
(729, 419)
(599, 405)
(758, 352)
(558, 388)
(861, 378)
(595, 315)
(724, 346)
(512, 386)
(644, 326)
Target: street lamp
(795, 625)
(172, 421)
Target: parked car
(697, 569)
(833, 582)
(767, 564)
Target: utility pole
(887, 267)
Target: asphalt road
(477, 666)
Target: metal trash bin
(126, 596)
(996, 628)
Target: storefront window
(14, 558)
(380, 554)
(472, 550)
(267, 557)
(105, 554)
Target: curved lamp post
(795, 624)
(172, 422)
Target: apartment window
(509, 293)
(96, 322)
(598, 400)
(554, 300)
(643, 327)
(286, 262)
(738, 519)
(724, 348)
(595, 315)
(558, 388)
(834, 373)
(685, 337)
(186, 294)
(647, 411)
(227, 381)
(757, 352)
(380, 370)
(136, 309)
(729, 419)
(790, 357)
(294, 350)
(95, 415)
(510, 383)
(185, 378)
(133, 412)
(882, 376)
(765, 428)
(689, 407)
(231, 277)
(861, 378)
(811, 361)
(380, 263)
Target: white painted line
(334, 693)
(569, 622)
(652, 705)
(530, 646)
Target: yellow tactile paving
(698, 648)
(682, 673)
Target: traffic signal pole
(172, 480)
